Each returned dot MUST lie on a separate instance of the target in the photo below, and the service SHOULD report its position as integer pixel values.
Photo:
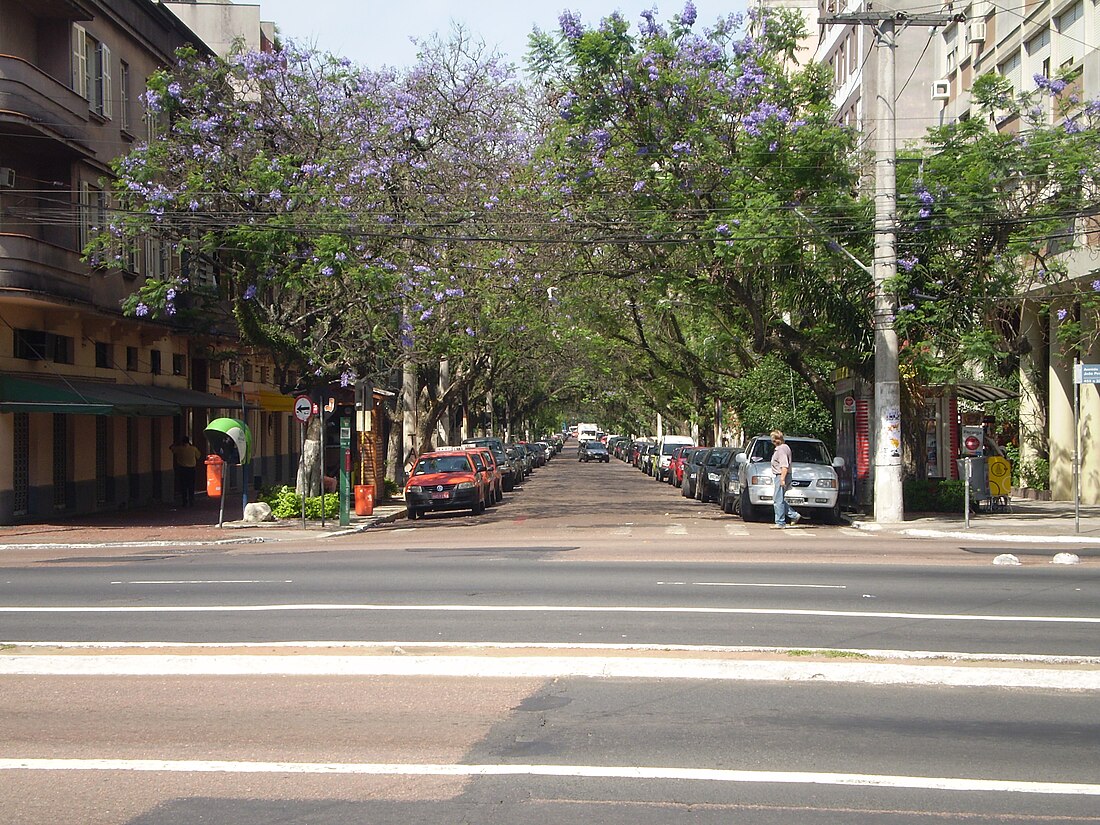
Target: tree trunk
(309, 465)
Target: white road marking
(550, 608)
(622, 531)
(676, 530)
(761, 584)
(552, 667)
(585, 771)
(736, 530)
(214, 581)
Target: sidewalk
(172, 525)
(1046, 524)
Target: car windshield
(595, 447)
(718, 458)
(802, 452)
(442, 464)
(700, 457)
(666, 449)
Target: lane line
(676, 530)
(762, 584)
(212, 581)
(551, 667)
(961, 784)
(549, 608)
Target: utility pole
(889, 470)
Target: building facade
(91, 399)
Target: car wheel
(749, 511)
(727, 504)
(479, 507)
(833, 515)
(412, 514)
(685, 491)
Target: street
(595, 649)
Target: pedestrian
(185, 459)
(781, 472)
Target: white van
(587, 432)
(665, 445)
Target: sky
(377, 33)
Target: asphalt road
(569, 561)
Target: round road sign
(303, 408)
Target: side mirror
(742, 458)
(839, 462)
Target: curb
(973, 535)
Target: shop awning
(973, 391)
(26, 395)
(76, 397)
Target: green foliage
(772, 396)
(287, 504)
(1036, 474)
(391, 488)
(922, 495)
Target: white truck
(587, 432)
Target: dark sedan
(708, 487)
(692, 468)
(593, 451)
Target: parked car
(665, 445)
(510, 471)
(692, 468)
(708, 485)
(492, 471)
(523, 459)
(593, 451)
(445, 481)
(815, 488)
(676, 466)
(648, 458)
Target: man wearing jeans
(781, 471)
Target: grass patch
(829, 654)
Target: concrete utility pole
(889, 471)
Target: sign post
(345, 471)
(303, 411)
(1082, 374)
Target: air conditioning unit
(7, 177)
(975, 31)
(941, 90)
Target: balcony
(34, 102)
(42, 269)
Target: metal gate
(21, 464)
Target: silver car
(814, 490)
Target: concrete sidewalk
(1049, 524)
(175, 526)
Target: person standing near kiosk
(185, 458)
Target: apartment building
(1021, 40)
(91, 399)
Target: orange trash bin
(214, 476)
(364, 499)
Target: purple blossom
(470, 332)
(347, 378)
(1057, 87)
(908, 263)
(141, 310)
(722, 229)
(170, 295)
(688, 15)
(639, 186)
(170, 308)
(925, 212)
(327, 271)
(1096, 286)
(1062, 314)
(427, 314)
(570, 23)
(250, 293)
(907, 308)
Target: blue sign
(1087, 373)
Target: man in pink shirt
(781, 471)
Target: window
(102, 355)
(179, 364)
(154, 361)
(93, 212)
(91, 71)
(1071, 28)
(36, 345)
(124, 96)
(1012, 70)
(131, 359)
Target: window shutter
(80, 61)
(105, 101)
(85, 213)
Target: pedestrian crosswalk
(732, 528)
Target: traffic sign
(1086, 373)
(303, 408)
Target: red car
(446, 481)
(676, 465)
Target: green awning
(32, 396)
(53, 394)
